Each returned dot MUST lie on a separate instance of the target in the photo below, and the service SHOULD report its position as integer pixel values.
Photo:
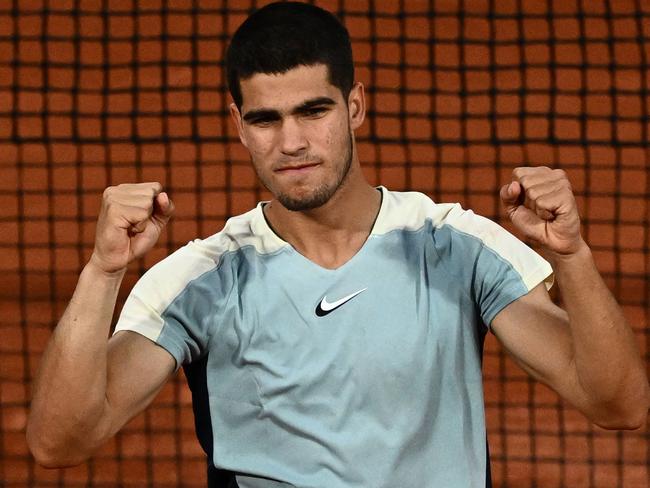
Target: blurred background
(97, 93)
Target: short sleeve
(502, 267)
(166, 305)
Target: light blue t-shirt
(368, 375)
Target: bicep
(536, 333)
(137, 370)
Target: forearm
(605, 352)
(70, 390)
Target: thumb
(523, 218)
(512, 197)
(163, 208)
(511, 194)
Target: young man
(332, 336)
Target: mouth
(296, 168)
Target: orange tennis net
(460, 92)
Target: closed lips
(296, 167)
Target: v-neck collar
(261, 227)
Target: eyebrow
(305, 106)
(314, 102)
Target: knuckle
(136, 213)
(150, 188)
(524, 180)
(560, 173)
(108, 192)
(544, 199)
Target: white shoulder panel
(530, 265)
(249, 229)
(161, 284)
(409, 211)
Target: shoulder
(414, 210)
(409, 210)
(248, 231)
(204, 259)
(456, 233)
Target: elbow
(627, 409)
(631, 416)
(628, 422)
(52, 460)
(62, 441)
(49, 454)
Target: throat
(330, 237)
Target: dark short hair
(284, 35)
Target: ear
(236, 117)
(356, 105)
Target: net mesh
(96, 93)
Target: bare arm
(588, 353)
(87, 386)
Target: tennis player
(332, 336)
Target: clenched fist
(130, 222)
(541, 205)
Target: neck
(334, 232)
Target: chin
(305, 201)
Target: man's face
(298, 130)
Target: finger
(150, 188)
(544, 214)
(527, 222)
(138, 228)
(532, 194)
(535, 194)
(555, 203)
(132, 200)
(127, 216)
(137, 194)
(531, 172)
(529, 177)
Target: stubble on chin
(314, 199)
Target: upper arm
(137, 369)
(536, 333)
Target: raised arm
(87, 386)
(587, 352)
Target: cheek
(335, 136)
(329, 138)
(259, 144)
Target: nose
(293, 140)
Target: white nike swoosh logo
(327, 307)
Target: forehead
(285, 90)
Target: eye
(315, 112)
(263, 122)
